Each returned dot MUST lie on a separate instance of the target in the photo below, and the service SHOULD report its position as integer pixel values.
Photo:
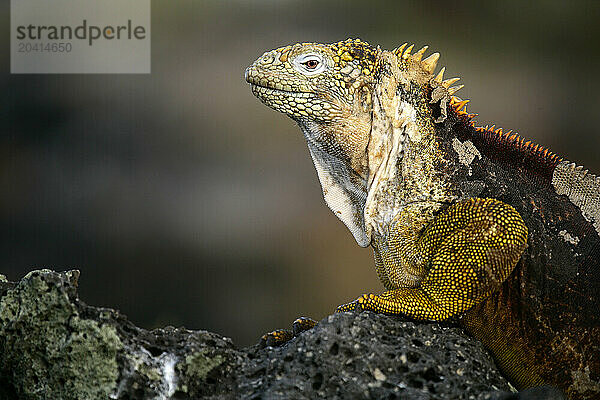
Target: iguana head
(312, 81)
(351, 99)
(325, 88)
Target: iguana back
(546, 313)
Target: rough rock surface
(54, 346)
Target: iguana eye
(310, 64)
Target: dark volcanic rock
(372, 356)
(53, 346)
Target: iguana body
(467, 223)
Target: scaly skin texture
(469, 224)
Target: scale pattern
(466, 253)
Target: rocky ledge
(54, 346)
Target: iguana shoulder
(465, 222)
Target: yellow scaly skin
(380, 129)
(459, 258)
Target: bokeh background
(185, 201)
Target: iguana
(467, 223)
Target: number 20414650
(29, 47)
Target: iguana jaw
(279, 99)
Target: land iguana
(466, 223)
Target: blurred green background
(185, 201)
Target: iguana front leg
(442, 269)
(458, 259)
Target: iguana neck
(342, 172)
(405, 162)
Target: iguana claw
(280, 337)
(356, 305)
(303, 324)
(276, 338)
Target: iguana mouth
(262, 87)
(261, 91)
(261, 81)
